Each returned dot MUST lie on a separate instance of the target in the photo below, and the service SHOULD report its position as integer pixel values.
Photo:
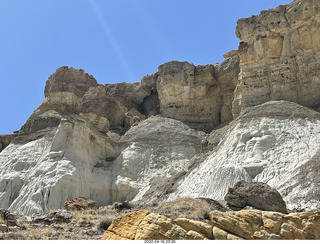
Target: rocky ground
(90, 224)
(249, 211)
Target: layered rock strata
(144, 225)
(72, 91)
(240, 225)
(76, 159)
(200, 96)
(266, 143)
(263, 225)
(279, 56)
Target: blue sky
(113, 40)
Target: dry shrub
(48, 231)
(2, 221)
(105, 222)
(106, 210)
(25, 224)
(29, 234)
(84, 215)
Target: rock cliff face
(185, 130)
(279, 56)
(200, 96)
(266, 143)
(72, 91)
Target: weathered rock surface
(256, 194)
(200, 96)
(278, 53)
(263, 225)
(139, 142)
(103, 110)
(5, 140)
(109, 107)
(69, 80)
(77, 160)
(267, 143)
(154, 155)
(163, 158)
(238, 225)
(43, 173)
(53, 217)
(143, 225)
(79, 203)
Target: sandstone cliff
(279, 56)
(200, 96)
(184, 130)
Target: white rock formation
(159, 150)
(268, 147)
(77, 160)
(42, 174)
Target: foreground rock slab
(238, 225)
(263, 225)
(144, 225)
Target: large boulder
(79, 203)
(255, 194)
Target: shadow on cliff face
(150, 105)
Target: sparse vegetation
(48, 232)
(185, 207)
(2, 220)
(81, 216)
(91, 224)
(105, 222)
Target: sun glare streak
(112, 40)
(156, 31)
